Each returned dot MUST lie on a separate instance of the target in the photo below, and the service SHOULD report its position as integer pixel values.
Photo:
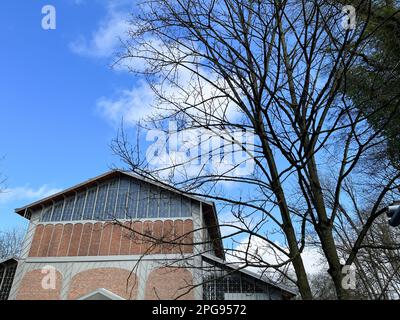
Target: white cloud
(106, 39)
(131, 105)
(26, 193)
(314, 261)
(193, 95)
(136, 103)
(196, 95)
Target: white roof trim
(104, 292)
(9, 258)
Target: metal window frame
(2, 276)
(95, 201)
(126, 200)
(90, 214)
(7, 281)
(103, 218)
(137, 201)
(78, 195)
(84, 204)
(167, 192)
(52, 210)
(73, 207)
(62, 211)
(116, 199)
(99, 189)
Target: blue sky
(61, 102)
(53, 83)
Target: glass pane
(58, 206)
(234, 284)
(89, 205)
(7, 282)
(122, 195)
(175, 205)
(143, 201)
(46, 213)
(100, 202)
(69, 206)
(1, 273)
(111, 200)
(247, 285)
(154, 202)
(133, 199)
(195, 208)
(186, 207)
(80, 201)
(164, 204)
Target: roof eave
(250, 273)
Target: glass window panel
(143, 201)
(195, 208)
(247, 285)
(100, 202)
(89, 205)
(111, 199)
(80, 202)
(133, 199)
(234, 284)
(46, 213)
(175, 205)
(7, 282)
(57, 212)
(1, 273)
(186, 207)
(260, 287)
(68, 209)
(122, 195)
(154, 202)
(164, 204)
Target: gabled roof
(96, 180)
(101, 294)
(8, 260)
(235, 267)
(209, 210)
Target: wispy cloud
(105, 40)
(131, 105)
(314, 261)
(26, 193)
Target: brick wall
(169, 283)
(31, 287)
(162, 283)
(119, 281)
(102, 239)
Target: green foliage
(373, 83)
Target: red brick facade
(31, 287)
(102, 239)
(168, 284)
(119, 281)
(162, 284)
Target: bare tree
(277, 70)
(377, 262)
(10, 243)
